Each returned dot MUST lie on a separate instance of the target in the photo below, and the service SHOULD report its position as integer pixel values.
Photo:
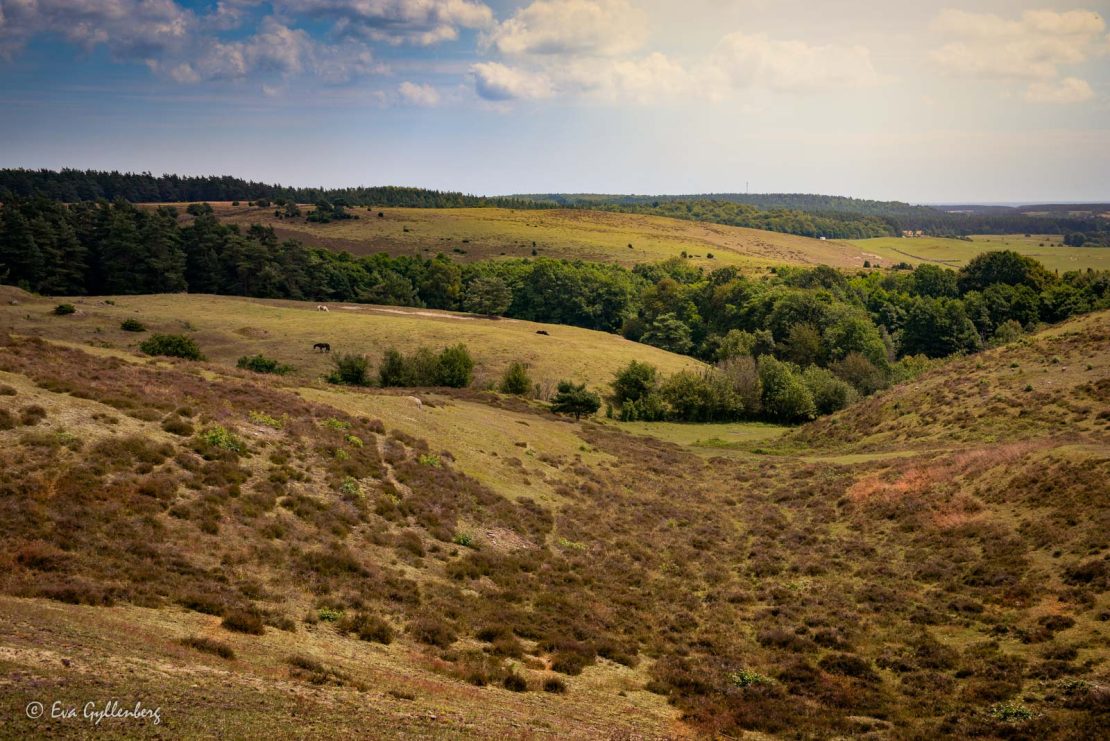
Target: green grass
(483, 233)
(953, 253)
(710, 438)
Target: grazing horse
(321, 307)
(322, 347)
(544, 332)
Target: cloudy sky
(957, 100)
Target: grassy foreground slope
(957, 590)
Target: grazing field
(228, 328)
(246, 552)
(954, 253)
(484, 233)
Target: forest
(832, 217)
(861, 326)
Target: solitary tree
(575, 399)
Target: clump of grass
(243, 621)
(1011, 712)
(208, 645)
(555, 686)
(32, 415)
(265, 420)
(335, 424)
(515, 683)
(329, 615)
(432, 631)
(369, 628)
(749, 678)
(218, 436)
(466, 540)
(429, 459)
(354, 440)
(175, 425)
(6, 390)
(132, 325)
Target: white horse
(321, 307)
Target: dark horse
(322, 347)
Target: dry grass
(953, 560)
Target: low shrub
(555, 686)
(452, 367)
(515, 683)
(32, 415)
(433, 631)
(208, 645)
(132, 325)
(350, 370)
(64, 309)
(262, 364)
(516, 381)
(243, 621)
(172, 345)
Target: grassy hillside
(954, 253)
(228, 328)
(481, 233)
(929, 564)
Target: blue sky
(957, 100)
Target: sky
(926, 102)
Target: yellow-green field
(468, 234)
(227, 328)
(483, 233)
(953, 253)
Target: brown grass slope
(961, 591)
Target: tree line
(858, 326)
(72, 186)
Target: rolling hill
(929, 563)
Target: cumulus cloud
(580, 27)
(421, 95)
(422, 22)
(130, 29)
(1032, 47)
(757, 61)
(497, 82)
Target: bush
(455, 367)
(785, 397)
(634, 382)
(574, 399)
(243, 621)
(515, 683)
(369, 628)
(132, 325)
(830, 394)
(432, 631)
(452, 367)
(857, 370)
(63, 309)
(262, 364)
(700, 396)
(555, 686)
(208, 645)
(350, 370)
(516, 380)
(171, 345)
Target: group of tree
(72, 186)
(855, 325)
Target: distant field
(1048, 249)
(483, 233)
(227, 328)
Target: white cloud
(1067, 90)
(422, 22)
(421, 95)
(579, 27)
(756, 61)
(497, 82)
(1033, 47)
